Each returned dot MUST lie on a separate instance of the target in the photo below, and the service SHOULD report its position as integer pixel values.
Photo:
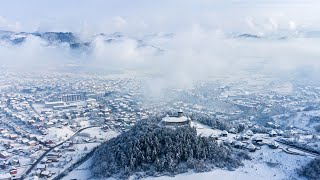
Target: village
(46, 127)
(267, 150)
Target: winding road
(314, 154)
(28, 171)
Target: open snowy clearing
(266, 164)
(59, 133)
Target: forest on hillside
(150, 150)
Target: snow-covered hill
(75, 41)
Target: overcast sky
(93, 16)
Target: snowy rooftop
(5, 176)
(54, 102)
(175, 119)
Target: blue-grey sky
(150, 16)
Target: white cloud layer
(201, 47)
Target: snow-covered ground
(70, 158)
(301, 120)
(266, 164)
(96, 132)
(83, 172)
(205, 130)
(83, 122)
(59, 133)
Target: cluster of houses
(52, 159)
(9, 163)
(27, 114)
(248, 139)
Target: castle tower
(180, 113)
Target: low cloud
(6, 24)
(190, 55)
(204, 44)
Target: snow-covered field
(301, 120)
(59, 133)
(266, 164)
(96, 132)
(83, 172)
(205, 130)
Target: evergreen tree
(151, 148)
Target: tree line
(149, 150)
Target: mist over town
(160, 90)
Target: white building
(175, 121)
(55, 103)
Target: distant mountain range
(50, 37)
(75, 42)
(279, 35)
